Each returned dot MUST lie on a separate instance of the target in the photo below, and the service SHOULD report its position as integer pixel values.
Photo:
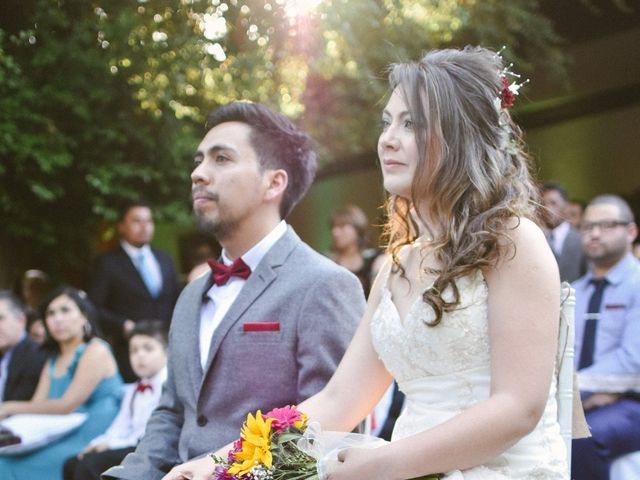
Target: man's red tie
(142, 386)
(222, 273)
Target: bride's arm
(360, 379)
(523, 323)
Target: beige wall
(591, 155)
(595, 153)
(311, 217)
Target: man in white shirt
(269, 325)
(607, 332)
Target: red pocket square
(615, 306)
(261, 327)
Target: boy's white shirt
(136, 408)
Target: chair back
(564, 365)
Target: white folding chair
(564, 365)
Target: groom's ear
(276, 184)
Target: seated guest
(349, 227)
(148, 357)
(80, 376)
(607, 322)
(21, 359)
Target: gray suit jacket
(571, 260)
(318, 306)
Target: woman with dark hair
(350, 243)
(81, 375)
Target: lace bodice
(411, 349)
(444, 370)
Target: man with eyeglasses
(607, 321)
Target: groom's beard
(219, 228)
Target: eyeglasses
(604, 225)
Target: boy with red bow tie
(148, 357)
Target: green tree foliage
(104, 101)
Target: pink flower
(237, 447)
(220, 473)
(284, 417)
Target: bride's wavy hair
(472, 176)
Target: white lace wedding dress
(444, 370)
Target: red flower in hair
(507, 97)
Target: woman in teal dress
(81, 375)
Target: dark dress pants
(93, 464)
(615, 431)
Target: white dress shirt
(136, 408)
(222, 297)
(150, 259)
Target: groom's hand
(199, 469)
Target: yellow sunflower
(256, 445)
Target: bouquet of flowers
(280, 445)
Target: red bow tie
(142, 386)
(222, 273)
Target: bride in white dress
(465, 316)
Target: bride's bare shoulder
(526, 246)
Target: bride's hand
(359, 464)
(199, 469)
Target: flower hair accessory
(509, 90)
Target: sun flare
(298, 8)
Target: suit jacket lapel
(192, 314)
(265, 274)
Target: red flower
(507, 97)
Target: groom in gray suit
(268, 326)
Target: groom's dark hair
(279, 144)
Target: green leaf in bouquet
(288, 437)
